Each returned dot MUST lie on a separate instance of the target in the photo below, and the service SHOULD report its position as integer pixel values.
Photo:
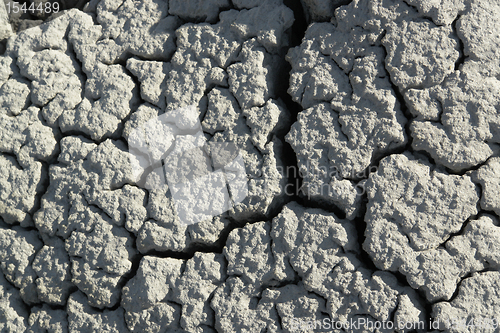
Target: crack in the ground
(471, 169)
(74, 57)
(289, 159)
(299, 26)
(42, 188)
(462, 57)
(467, 276)
(422, 16)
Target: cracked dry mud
(370, 135)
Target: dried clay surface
(251, 166)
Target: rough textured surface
(82, 318)
(46, 319)
(303, 266)
(17, 253)
(477, 301)
(489, 178)
(99, 261)
(13, 312)
(420, 54)
(457, 122)
(357, 143)
(52, 265)
(352, 114)
(144, 297)
(412, 211)
(5, 28)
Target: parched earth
(369, 135)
